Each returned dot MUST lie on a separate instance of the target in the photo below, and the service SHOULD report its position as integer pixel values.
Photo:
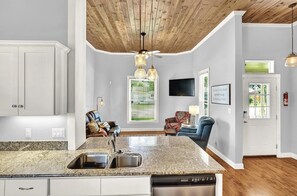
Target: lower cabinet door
(75, 186)
(26, 187)
(126, 185)
(1, 187)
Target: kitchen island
(160, 156)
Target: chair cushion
(93, 127)
(182, 116)
(175, 126)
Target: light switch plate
(28, 133)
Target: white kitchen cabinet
(33, 78)
(128, 185)
(75, 186)
(8, 80)
(2, 187)
(104, 186)
(26, 187)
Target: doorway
(261, 130)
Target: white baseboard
(141, 129)
(287, 155)
(226, 159)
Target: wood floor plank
(261, 176)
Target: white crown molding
(35, 42)
(218, 27)
(141, 129)
(109, 53)
(226, 159)
(267, 25)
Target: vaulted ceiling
(178, 25)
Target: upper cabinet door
(8, 80)
(36, 80)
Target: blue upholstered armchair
(199, 135)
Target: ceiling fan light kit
(142, 55)
(291, 60)
(152, 73)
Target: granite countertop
(161, 155)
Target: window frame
(129, 102)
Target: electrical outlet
(28, 134)
(58, 132)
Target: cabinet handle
(21, 106)
(14, 106)
(26, 189)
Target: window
(204, 92)
(259, 66)
(142, 100)
(259, 100)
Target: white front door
(260, 115)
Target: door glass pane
(259, 100)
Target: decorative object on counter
(96, 127)
(291, 60)
(176, 121)
(200, 134)
(194, 111)
(221, 94)
(33, 145)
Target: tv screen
(182, 87)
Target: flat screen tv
(182, 87)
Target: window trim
(156, 100)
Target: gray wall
(90, 83)
(222, 53)
(293, 100)
(111, 74)
(273, 43)
(33, 20)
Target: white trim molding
(226, 159)
(287, 155)
(218, 27)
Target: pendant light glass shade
(291, 60)
(152, 73)
(140, 60)
(140, 73)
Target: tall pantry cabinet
(33, 78)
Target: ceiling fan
(145, 52)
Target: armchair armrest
(189, 130)
(170, 120)
(191, 135)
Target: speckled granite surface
(33, 145)
(160, 155)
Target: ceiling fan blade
(154, 52)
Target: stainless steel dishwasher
(184, 185)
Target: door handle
(14, 106)
(21, 106)
(245, 121)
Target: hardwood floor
(141, 133)
(262, 176)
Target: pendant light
(152, 73)
(291, 60)
(140, 58)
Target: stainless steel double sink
(95, 160)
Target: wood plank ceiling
(113, 25)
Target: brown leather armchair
(176, 121)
